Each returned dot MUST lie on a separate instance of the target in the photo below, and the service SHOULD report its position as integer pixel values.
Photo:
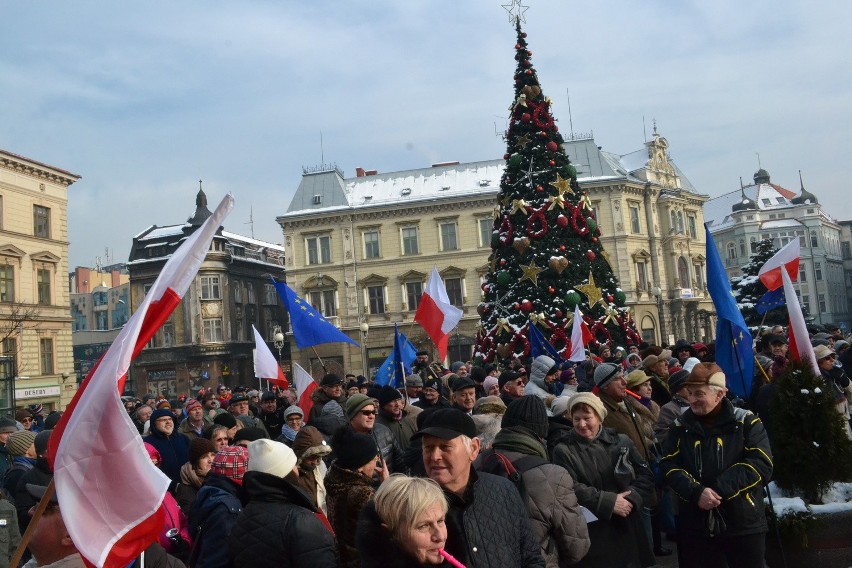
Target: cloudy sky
(143, 99)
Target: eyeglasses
(368, 412)
(831, 357)
(26, 420)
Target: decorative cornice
(21, 165)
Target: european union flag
(734, 353)
(541, 346)
(309, 326)
(392, 372)
(771, 300)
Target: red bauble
(516, 306)
(552, 290)
(506, 156)
(609, 298)
(526, 117)
(552, 163)
(485, 288)
(562, 221)
(594, 239)
(555, 128)
(523, 34)
(517, 46)
(502, 262)
(539, 188)
(552, 146)
(526, 306)
(528, 71)
(562, 248)
(529, 53)
(590, 255)
(508, 180)
(558, 313)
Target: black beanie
(225, 419)
(352, 449)
(528, 411)
(387, 394)
(249, 434)
(478, 374)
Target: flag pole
(314, 349)
(28, 534)
(739, 363)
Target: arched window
(732, 251)
(683, 273)
(742, 248)
(814, 240)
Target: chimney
(116, 278)
(359, 172)
(371, 172)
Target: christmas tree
(545, 254)
(748, 289)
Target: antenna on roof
(322, 153)
(741, 183)
(570, 118)
(758, 160)
(801, 183)
(655, 127)
(251, 219)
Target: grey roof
(717, 211)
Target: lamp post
(365, 329)
(278, 341)
(658, 294)
(813, 268)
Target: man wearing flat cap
(716, 458)
(331, 388)
(487, 522)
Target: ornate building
(360, 249)
(208, 339)
(36, 365)
(764, 210)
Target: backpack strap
(500, 460)
(527, 463)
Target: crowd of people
(602, 463)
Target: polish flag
(800, 345)
(104, 478)
(436, 314)
(265, 364)
(305, 386)
(788, 258)
(580, 337)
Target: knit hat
(677, 380)
(543, 366)
(269, 456)
(355, 403)
(505, 377)
(249, 434)
(310, 442)
(267, 396)
(225, 419)
(41, 442)
(332, 408)
(477, 374)
(22, 413)
(690, 363)
(489, 405)
(413, 381)
(330, 380)
(7, 426)
(198, 448)
(456, 366)
(605, 373)
(192, 403)
(706, 374)
(231, 462)
(636, 378)
(489, 382)
(153, 453)
(567, 376)
(163, 404)
(559, 406)
(590, 400)
(650, 361)
(387, 395)
(353, 449)
(253, 393)
(434, 384)
(19, 442)
(294, 409)
(36, 409)
(529, 412)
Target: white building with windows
(764, 210)
(360, 249)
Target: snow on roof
(635, 161)
(780, 224)
(161, 232)
(249, 240)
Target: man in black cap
(487, 522)
(271, 416)
(511, 385)
(392, 414)
(239, 407)
(420, 365)
(331, 388)
(464, 394)
(7, 427)
(430, 396)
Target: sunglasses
(830, 357)
(26, 420)
(368, 412)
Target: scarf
(189, 477)
(288, 432)
(25, 461)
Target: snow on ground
(838, 498)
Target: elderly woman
(192, 473)
(293, 418)
(610, 479)
(218, 434)
(403, 526)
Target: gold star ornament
(523, 141)
(562, 185)
(531, 272)
(592, 292)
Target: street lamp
(365, 329)
(658, 294)
(278, 341)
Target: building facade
(36, 366)
(208, 339)
(764, 210)
(360, 249)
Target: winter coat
(388, 447)
(536, 386)
(328, 424)
(174, 451)
(279, 525)
(348, 492)
(187, 430)
(402, 429)
(214, 513)
(489, 525)
(376, 546)
(187, 489)
(731, 456)
(659, 388)
(424, 404)
(633, 420)
(5, 461)
(320, 399)
(10, 534)
(553, 510)
(157, 557)
(668, 413)
(615, 540)
(40, 474)
(20, 465)
(273, 421)
(70, 561)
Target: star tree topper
(516, 11)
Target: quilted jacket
(215, 511)
(279, 527)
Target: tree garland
(578, 222)
(506, 231)
(537, 215)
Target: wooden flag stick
(28, 534)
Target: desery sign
(36, 392)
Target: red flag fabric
(305, 386)
(265, 364)
(103, 475)
(800, 345)
(786, 258)
(436, 314)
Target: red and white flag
(265, 364)
(305, 386)
(580, 337)
(436, 314)
(786, 258)
(104, 478)
(800, 344)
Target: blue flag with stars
(541, 346)
(309, 326)
(392, 372)
(734, 352)
(771, 300)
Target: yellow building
(35, 321)
(360, 249)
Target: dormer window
(317, 199)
